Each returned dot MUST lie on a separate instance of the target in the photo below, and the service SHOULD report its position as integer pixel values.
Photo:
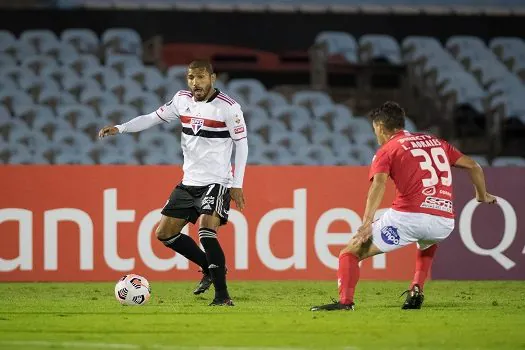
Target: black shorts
(190, 202)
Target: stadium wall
(95, 223)
(273, 32)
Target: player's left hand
(363, 234)
(238, 197)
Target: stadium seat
(15, 73)
(31, 113)
(60, 52)
(318, 133)
(292, 141)
(256, 118)
(413, 47)
(149, 78)
(35, 86)
(123, 87)
(377, 47)
(124, 144)
(7, 39)
(311, 99)
(51, 127)
(122, 63)
(122, 40)
(11, 98)
(72, 141)
(511, 105)
(163, 142)
(9, 126)
(295, 118)
(54, 99)
(273, 130)
(145, 102)
(315, 155)
(37, 63)
(508, 161)
(7, 83)
(117, 158)
(20, 50)
(58, 74)
(31, 141)
(76, 85)
(38, 38)
(272, 155)
(169, 88)
(339, 43)
(103, 75)
(4, 113)
(74, 158)
(27, 158)
(91, 126)
(97, 99)
(248, 89)
(73, 114)
(84, 40)
(82, 63)
(270, 100)
(457, 43)
(118, 114)
(7, 60)
(177, 72)
(336, 116)
(161, 158)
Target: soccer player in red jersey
(422, 211)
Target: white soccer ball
(132, 290)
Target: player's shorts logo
(239, 129)
(389, 235)
(196, 124)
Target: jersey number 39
(437, 159)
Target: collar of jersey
(213, 96)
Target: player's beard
(200, 93)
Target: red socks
(347, 277)
(423, 264)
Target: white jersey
(208, 131)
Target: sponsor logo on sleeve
(238, 129)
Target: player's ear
(213, 78)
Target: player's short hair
(390, 114)
(198, 64)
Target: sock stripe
(170, 240)
(206, 233)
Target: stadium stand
(57, 90)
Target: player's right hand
(488, 198)
(107, 131)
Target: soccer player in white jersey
(212, 123)
(422, 212)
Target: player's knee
(352, 248)
(162, 233)
(210, 221)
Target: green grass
(466, 315)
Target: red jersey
(419, 165)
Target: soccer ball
(132, 290)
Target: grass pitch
(269, 315)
